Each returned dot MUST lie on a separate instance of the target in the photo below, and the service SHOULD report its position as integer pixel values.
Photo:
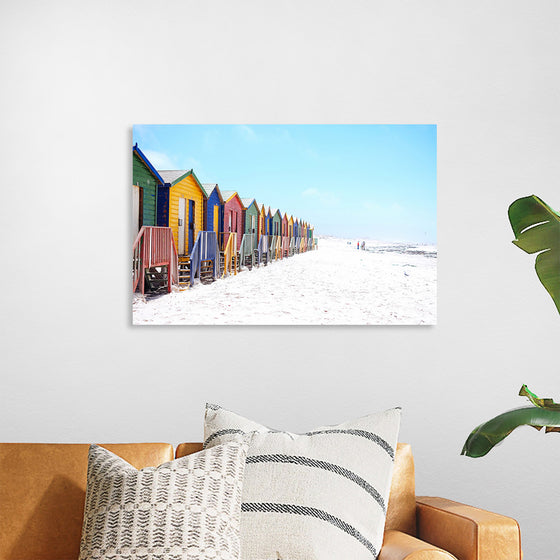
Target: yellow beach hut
(262, 221)
(186, 200)
(292, 241)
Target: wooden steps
(248, 262)
(156, 280)
(184, 268)
(207, 272)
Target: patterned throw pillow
(187, 509)
(321, 495)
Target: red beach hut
(233, 216)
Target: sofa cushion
(322, 494)
(186, 509)
(42, 493)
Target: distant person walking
(363, 245)
(358, 247)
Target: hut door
(216, 219)
(181, 233)
(191, 224)
(136, 209)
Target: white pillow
(187, 509)
(321, 495)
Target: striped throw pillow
(321, 495)
(187, 509)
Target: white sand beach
(387, 284)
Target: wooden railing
(248, 246)
(223, 238)
(154, 246)
(274, 247)
(285, 246)
(204, 249)
(278, 249)
(230, 253)
(263, 249)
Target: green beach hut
(250, 240)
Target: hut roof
(209, 188)
(146, 161)
(173, 176)
(247, 202)
(226, 195)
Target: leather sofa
(42, 492)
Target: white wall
(76, 76)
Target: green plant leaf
(541, 403)
(544, 413)
(483, 438)
(536, 227)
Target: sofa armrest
(401, 546)
(467, 532)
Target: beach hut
(154, 258)
(276, 232)
(263, 253)
(303, 235)
(249, 242)
(292, 241)
(250, 217)
(284, 225)
(268, 220)
(230, 238)
(233, 217)
(181, 207)
(300, 236)
(285, 238)
(262, 221)
(146, 182)
(214, 215)
(276, 222)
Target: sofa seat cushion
(312, 496)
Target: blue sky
(356, 181)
